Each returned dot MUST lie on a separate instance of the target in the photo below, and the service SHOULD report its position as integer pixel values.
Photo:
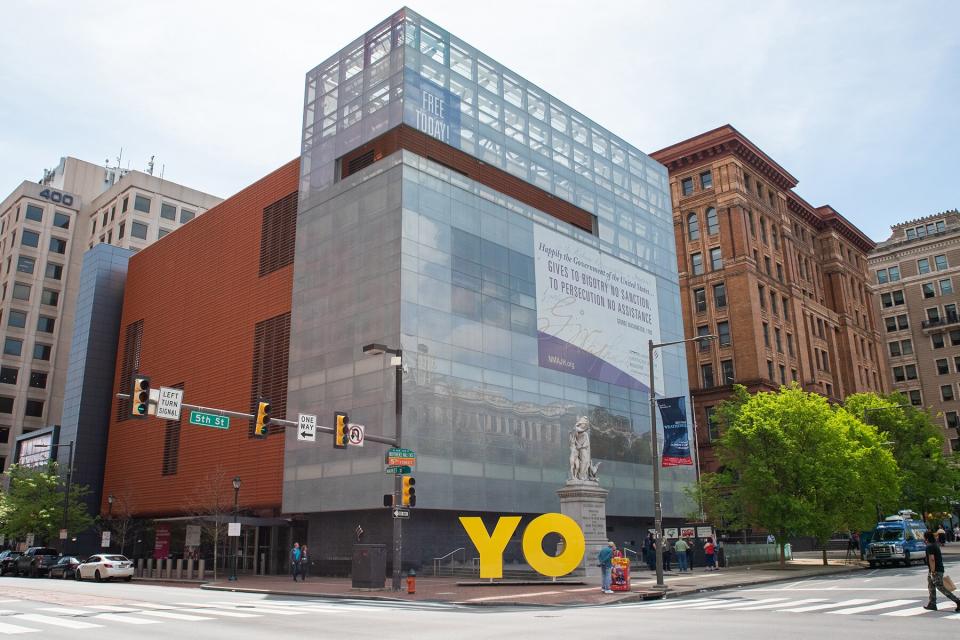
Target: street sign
(402, 470)
(400, 457)
(168, 403)
(154, 398)
(105, 539)
(202, 419)
(192, 538)
(233, 529)
(401, 513)
(63, 534)
(355, 434)
(307, 428)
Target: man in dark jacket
(935, 573)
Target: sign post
(105, 539)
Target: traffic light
(263, 419)
(341, 432)
(140, 397)
(408, 495)
(388, 499)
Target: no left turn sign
(355, 434)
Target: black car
(8, 562)
(36, 561)
(65, 568)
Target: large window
(723, 334)
(703, 330)
(923, 265)
(894, 274)
(706, 373)
(700, 299)
(946, 287)
(946, 392)
(716, 259)
(30, 238)
(34, 213)
(53, 271)
(34, 409)
(141, 203)
(726, 372)
(38, 379)
(713, 424)
(706, 180)
(41, 351)
(58, 245)
(892, 299)
(696, 263)
(928, 290)
(61, 220)
(26, 264)
(686, 186)
(139, 230)
(46, 324)
(21, 291)
(168, 211)
(713, 224)
(8, 375)
(720, 295)
(693, 227)
(6, 404)
(186, 215)
(17, 318)
(12, 347)
(941, 262)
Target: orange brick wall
(199, 295)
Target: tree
(212, 503)
(34, 504)
(794, 465)
(928, 476)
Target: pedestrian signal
(140, 397)
(341, 433)
(408, 495)
(263, 419)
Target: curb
(301, 594)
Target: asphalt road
(875, 604)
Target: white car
(105, 567)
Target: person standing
(681, 547)
(605, 560)
(710, 555)
(956, 533)
(690, 545)
(649, 549)
(667, 554)
(941, 536)
(935, 573)
(295, 556)
(304, 563)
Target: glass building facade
(512, 322)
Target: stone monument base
(585, 501)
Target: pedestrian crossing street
(897, 608)
(37, 617)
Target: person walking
(605, 560)
(681, 547)
(304, 563)
(935, 572)
(690, 546)
(649, 550)
(667, 554)
(710, 555)
(295, 556)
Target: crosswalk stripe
(678, 604)
(741, 603)
(256, 608)
(150, 605)
(914, 611)
(829, 605)
(112, 608)
(11, 629)
(116, 617)
(221, 612)
(57, 622)
(174, 616)
(66, 611)
(872, 607)
(777, 605)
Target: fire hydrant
(411, 581)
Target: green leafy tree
(929, 478)
(34, 504)
(794, 465)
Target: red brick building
(216, 325)
(782, 283)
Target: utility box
(369, 569)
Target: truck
(36, 561)
(898, 539)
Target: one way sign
(401, 513)
(307, 428)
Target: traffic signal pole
(397, 479)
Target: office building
(783, 284)
(916, 273)
(519, 254)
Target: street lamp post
(655, 454)
(397, 361)
(110, 500)
(236, 539)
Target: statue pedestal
(586, 502)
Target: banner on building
(595, 313)
(161, 544)
(676, 436)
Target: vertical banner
(676, 437)
(161, 544)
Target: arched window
(713, 224)
(693, 227)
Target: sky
(860, 101)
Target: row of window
(747, 187)
(142, 203)
(18, 319)
(32, 239)
(719, 297)
(14, 347)
(707, 374)
(33, 408)
(706, 182)
(10, 375)
(723, 335)
(937, 341)
(784, 302)
(892, 274)
(27, 264)
(22, 291)
(693, 224)
(947, 316)
(783, 373)
(61, 220)
(777, 339)
(696, 261)
(924, 230)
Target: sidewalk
(564, 592)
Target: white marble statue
(580, 463)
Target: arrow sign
(307, 428)
(355, 434)
(401, 513)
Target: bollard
(139, 571)
(411, 581)
(148, 569)
(202, 571)
(178, 572)
(190, 569)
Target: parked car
(36, 561)
(105, 567)
(8, 562)
(897, 539)
(66, 567)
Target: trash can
(369, 569)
